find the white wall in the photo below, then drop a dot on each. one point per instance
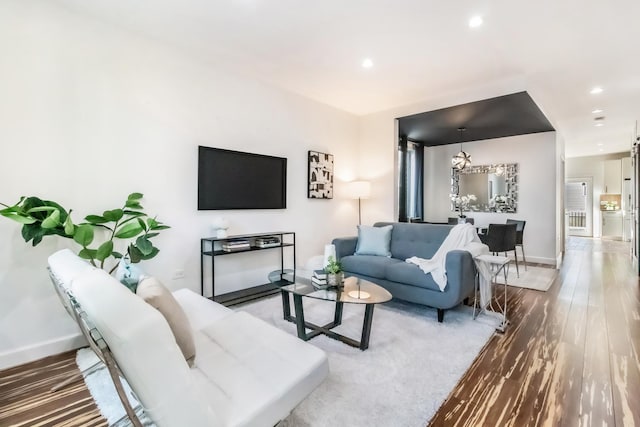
(535, 155)
(90, 113)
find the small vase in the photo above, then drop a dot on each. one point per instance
(335, 279)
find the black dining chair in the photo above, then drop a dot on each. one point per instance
(501, 238)
(519, 235)
(454, 221)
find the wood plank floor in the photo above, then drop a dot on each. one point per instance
(569, 358)
(26, 398)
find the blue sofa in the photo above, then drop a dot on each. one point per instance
(406, 281)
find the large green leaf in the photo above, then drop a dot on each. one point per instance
(133, 213)
(105, 250)
(42, 209)
(87, 253)
(83, 235)
(153, 253)
(135, 196)
(144, 245)
(17, 217)
(53, 220)
(96, 219)
(68, 226)
(160, 227)
(128, 231)
(134, 254)
(113, 215)
(133, 204)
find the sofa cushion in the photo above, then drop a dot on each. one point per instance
(154, 293)
(254, 373)
(200, 311)
(374, 240)
(421, 240)
(410, 274)
(368, 265)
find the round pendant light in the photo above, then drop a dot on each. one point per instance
(462, 159)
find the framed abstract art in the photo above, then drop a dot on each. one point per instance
(320, 176)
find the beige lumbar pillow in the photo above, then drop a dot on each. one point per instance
(154, 293)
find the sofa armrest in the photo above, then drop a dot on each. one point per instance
(345, 246)
(461, 273)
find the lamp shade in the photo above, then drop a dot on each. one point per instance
(359, 189)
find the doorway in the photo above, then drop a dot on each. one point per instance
(579, 206)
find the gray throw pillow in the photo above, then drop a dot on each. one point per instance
(374, 240)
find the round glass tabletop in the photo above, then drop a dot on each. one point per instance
(353, 291)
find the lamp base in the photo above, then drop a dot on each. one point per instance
(359, 294)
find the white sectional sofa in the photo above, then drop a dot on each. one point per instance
(246, 372)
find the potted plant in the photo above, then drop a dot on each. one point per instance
(98, 235)
(335, 275)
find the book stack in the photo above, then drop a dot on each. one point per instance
(319, 279)
(235, 245)
(267, 242)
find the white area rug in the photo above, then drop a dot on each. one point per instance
(104, 392)
(537, 278)
(412, 364)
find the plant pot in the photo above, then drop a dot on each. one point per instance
(335, 279)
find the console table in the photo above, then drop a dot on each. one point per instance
(208, 249)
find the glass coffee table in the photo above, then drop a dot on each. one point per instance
(353, 291)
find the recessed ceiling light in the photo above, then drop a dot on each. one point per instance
(597, 111)
(602, 149)
(598, 124)
(596, 90)
(600, 144)
(475, 21)
(367, 63)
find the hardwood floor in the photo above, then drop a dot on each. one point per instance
(569, 358)
(26, 398)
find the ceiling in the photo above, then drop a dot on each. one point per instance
(498, 117)
(421, 50)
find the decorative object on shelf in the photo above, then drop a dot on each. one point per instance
(359, 190)
(320, 176)
(329, 252)
(220, 226)
(462, 203)
(40, 218)
(335, 275)
(462, 159)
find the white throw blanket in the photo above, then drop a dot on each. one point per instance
(464, 237)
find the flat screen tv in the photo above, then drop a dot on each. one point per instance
(235, 180)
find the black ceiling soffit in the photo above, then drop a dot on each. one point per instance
(507, 115)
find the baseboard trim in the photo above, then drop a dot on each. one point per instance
(29, 353)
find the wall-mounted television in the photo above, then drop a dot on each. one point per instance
(235, 180)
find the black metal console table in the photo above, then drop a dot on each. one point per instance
(208, 249)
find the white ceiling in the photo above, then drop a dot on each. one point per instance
(421, 49)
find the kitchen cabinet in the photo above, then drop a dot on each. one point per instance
(612, 224)
(613, 176)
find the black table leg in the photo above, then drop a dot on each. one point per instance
(337, 317)
(297, 304)
(366, 327)
(286, 306)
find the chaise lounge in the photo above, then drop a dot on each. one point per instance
(246, 372)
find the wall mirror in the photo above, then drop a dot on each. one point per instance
(495, 187)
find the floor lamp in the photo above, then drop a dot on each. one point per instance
(359, 190)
